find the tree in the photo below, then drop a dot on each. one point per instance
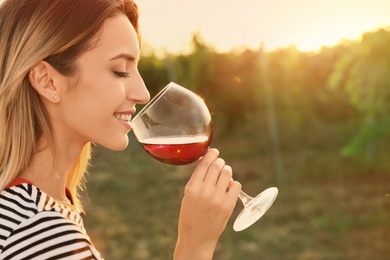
(364, 71)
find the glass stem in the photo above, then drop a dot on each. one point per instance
(245, 198)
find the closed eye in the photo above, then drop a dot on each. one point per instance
(122, 74)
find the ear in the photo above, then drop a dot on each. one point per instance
(41, 78)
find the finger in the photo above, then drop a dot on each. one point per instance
(203, 165)
(214, 172)
(234, 189)
(225, 177)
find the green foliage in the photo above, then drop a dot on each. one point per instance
(349, 82)
(363, 71)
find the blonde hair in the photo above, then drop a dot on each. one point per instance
(57, 31)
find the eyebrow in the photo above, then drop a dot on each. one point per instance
(124, 56)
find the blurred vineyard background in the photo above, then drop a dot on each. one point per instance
(314, 124)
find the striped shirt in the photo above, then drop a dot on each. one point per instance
(35, 226)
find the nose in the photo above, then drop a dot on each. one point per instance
(137, 91)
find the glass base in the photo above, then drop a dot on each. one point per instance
(255, 209)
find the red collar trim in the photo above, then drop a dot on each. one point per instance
(18, 181)
(69, 195)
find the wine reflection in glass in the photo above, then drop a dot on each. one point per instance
(175, 127)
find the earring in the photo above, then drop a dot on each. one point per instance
(55, 97)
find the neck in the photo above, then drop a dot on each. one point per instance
(49, 171)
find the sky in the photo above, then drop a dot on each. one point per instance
(168, 25)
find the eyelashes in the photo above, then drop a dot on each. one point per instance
(122, 74)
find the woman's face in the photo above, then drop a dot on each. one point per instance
(97, 104)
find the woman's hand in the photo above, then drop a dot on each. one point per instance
(209, 199)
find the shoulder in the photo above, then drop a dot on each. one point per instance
(25, 200)
(16, 205)
(33, 224)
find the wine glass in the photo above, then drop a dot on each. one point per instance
(175, 127)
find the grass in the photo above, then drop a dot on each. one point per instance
(328, 207)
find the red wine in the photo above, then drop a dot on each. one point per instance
(176, 149)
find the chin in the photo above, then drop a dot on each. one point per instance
(117, 146)
(120, 148)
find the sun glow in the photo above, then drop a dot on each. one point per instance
(226, 24)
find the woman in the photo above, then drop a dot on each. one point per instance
(69, 78)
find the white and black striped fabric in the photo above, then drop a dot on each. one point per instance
(35, 226)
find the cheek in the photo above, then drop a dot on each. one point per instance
(94, 100)
(102, 88)
(97, 91)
